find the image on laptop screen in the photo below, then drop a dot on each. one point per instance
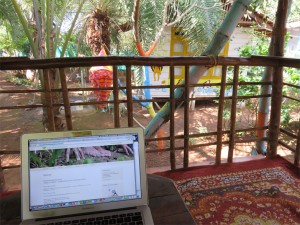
(74, 171)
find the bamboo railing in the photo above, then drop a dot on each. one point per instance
(274, 127)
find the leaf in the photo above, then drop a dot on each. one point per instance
(7, 9)
(55, 154)
(35, 159)
(87, 161)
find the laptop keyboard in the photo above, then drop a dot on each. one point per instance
(118, 219)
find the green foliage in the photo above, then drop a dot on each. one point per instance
(54, 155)
(87, 161)
(285, 117)
(201, 23)
(290, 107)
(18, 81)
(120, 159)
(10, 45)
(268, 8)
(35, 161)
(10, 21)
(259, 45)
(254, 74)
(198, 20)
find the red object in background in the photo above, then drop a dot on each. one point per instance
(101, 77)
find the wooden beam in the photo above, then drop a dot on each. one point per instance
(172, 121)
(297, 152)
(116, 97)
(220, 116)
(65, 94)
(129, 97)
(233, 114)
(186, 118)
(48, 101)
(276, 102)
(142, 61)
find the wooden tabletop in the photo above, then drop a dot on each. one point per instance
(165, 203)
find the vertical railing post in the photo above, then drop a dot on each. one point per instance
(186, 117)
(297, 152)
(48, 101)
(220, 116)
(172, 128)
(276, 102)
(129, 96)
(233, 114)
(116, 97)
(2, 180)
(65, 94)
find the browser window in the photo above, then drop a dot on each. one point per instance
(74, 171)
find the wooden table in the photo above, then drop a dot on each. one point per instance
(166, 204)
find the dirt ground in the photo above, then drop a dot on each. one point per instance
(15, 122)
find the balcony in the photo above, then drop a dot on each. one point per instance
(229, 140)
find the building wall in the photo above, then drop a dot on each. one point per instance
(239, 38)
(161, 50)
(293, 46)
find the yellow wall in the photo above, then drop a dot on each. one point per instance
(179, 47)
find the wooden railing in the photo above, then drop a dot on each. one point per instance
(273, 128)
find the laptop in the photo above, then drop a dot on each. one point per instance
(85, 177)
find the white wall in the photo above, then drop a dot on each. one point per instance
(239, 38)
(293, 46)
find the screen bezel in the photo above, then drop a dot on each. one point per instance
(27, 214)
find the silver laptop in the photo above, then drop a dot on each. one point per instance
(85, 177)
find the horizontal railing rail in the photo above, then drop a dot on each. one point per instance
(236, 62)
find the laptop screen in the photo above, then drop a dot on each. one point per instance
(83, 170)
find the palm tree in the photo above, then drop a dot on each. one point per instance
(106, 20)
(42, 28)
(150, 20)
(157, 16)
(197, 20)
(9, 20)
(219, 40)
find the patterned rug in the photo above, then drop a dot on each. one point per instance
(265, 191)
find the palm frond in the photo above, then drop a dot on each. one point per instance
(150, 21)
(198, 19)
(200, 25)
(8, 12)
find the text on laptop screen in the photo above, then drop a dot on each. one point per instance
(74, 171)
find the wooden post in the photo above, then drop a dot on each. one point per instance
(49, 101)
(276, 101)
(172, 127)
(2, 180)
(276, 48)
(65, 94)
(129, 96)
(186, 117)
(277, 84)
(233, 114)
(116, 97)
(220, 116)
(297, 152)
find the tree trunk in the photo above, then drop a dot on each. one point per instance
(276, 48)
(52, 120)
(98, 33)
